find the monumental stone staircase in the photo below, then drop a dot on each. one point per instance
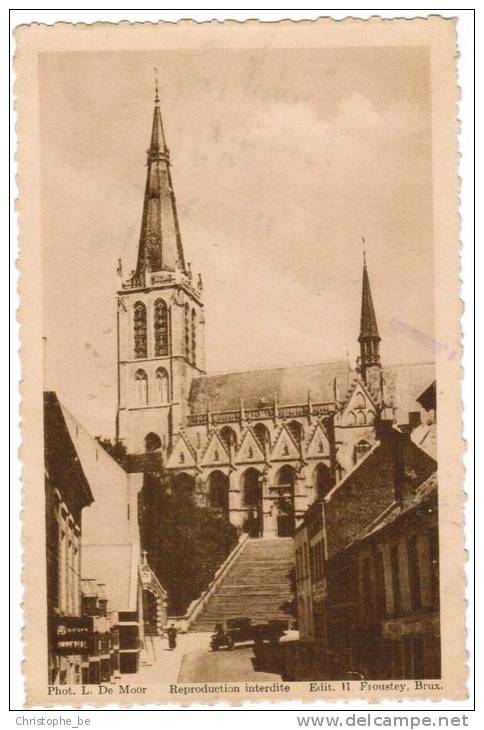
(257, 585)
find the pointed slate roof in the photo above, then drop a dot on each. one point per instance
(289, 385)
(368, 325)
(160, 246)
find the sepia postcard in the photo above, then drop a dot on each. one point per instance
(241, 379)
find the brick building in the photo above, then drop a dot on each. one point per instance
(382, 607)
(367, 565)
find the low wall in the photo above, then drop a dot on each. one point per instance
(183, 622)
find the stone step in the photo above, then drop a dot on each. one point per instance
(252, 590)
(242, 607)
(257, 585)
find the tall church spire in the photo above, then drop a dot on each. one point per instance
(369, 337)
(160, 246)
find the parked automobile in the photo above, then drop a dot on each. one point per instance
(242, 630)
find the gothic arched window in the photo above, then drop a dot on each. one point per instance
(161, 383)
(351, 419)
(194, 337)
(140, 342)
(359, 401)
(187, 332)
(263, 437)
(361, 418)
(229, 438)
(161, 328)
(141, 382)
(297, 431)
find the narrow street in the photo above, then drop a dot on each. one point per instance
(194, 661)
(222, 666)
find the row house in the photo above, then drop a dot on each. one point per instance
(381, 517)
(97, 576)
(67, 495)
(383, 602)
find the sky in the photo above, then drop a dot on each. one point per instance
(282, 160)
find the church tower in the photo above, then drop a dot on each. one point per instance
(369, 364)
(160, 320)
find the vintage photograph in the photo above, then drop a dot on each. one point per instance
(240, 370)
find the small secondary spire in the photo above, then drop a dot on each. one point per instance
(369, 337)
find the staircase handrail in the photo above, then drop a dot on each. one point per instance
(197, 605)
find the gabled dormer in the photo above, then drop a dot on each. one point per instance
(183, 455)
(318, 446)
(215, 453)
(358, 408)
(285, 447)
(249, 451)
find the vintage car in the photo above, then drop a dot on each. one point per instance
(242, 630)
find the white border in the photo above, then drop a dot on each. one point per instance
(466, 80)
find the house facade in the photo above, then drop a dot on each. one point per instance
(67, 495)
(368, 590)
(102, 594)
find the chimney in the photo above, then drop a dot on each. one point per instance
(414, 420)
(383, 427)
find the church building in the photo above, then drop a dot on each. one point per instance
(258, 445)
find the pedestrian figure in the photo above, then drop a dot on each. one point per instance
(171, 633)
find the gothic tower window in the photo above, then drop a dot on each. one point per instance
(141, 381)
(187, 332)
(161, 383)
(140, 342)
(194, 337)
(161, 328)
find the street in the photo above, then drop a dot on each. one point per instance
(222, 666)
(193, 661)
